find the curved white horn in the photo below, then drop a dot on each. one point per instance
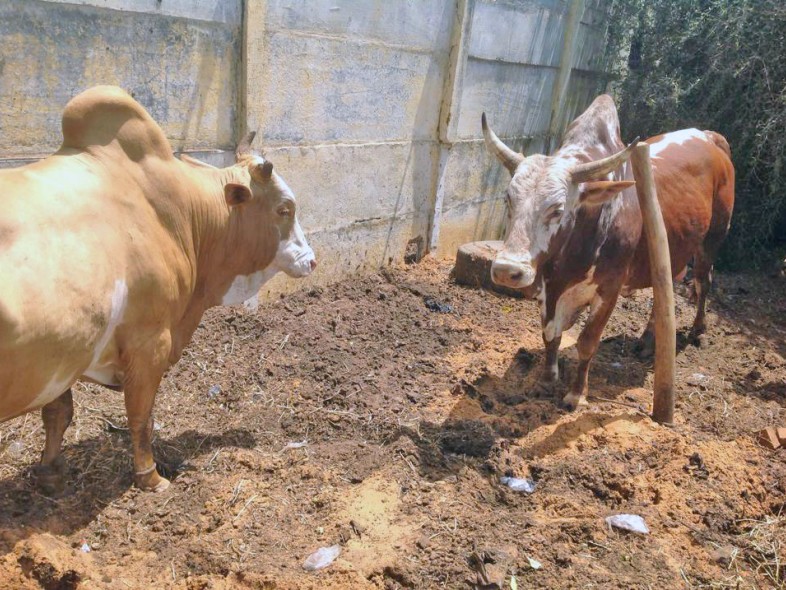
(244, 147)
(599, 168)
(509, 158)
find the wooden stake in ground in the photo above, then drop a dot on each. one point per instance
(662, 289)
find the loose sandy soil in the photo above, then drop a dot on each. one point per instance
(411, 417)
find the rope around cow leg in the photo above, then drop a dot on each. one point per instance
(147, 471)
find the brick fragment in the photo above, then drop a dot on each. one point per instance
(769, 438)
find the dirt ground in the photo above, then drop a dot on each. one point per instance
(410, 417)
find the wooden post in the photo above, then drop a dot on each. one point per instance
(662, 288)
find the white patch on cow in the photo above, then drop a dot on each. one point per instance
(246, 287)
(294, 256)
(106, 373)
(675, 138)
(51, 391)
(572, 301)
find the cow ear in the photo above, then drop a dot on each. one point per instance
(600, 191)
(236, 194)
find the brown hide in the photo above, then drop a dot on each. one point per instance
(695, 185)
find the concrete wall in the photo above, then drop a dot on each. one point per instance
(179, 58)
(370, 109)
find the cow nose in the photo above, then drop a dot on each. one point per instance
(509, 274)
(312, 263)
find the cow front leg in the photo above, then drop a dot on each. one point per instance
(549, 378)
(56, 416)
(140, 386)
(587, 346)
(139, 407)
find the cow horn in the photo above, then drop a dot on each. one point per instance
(244, 147)
(507, 156)
(599, 168)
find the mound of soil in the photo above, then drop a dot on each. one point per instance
(411, 395)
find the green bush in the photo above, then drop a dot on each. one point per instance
(720, 65)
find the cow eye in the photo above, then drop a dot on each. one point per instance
(284, 211)
(554, 214)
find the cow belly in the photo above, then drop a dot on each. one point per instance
(103, 375)
(16, 402)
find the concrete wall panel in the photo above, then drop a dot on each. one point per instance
(516, 98)
(346, 185)
(520, 33)
(423, 25)
(184, 72)
(314, 89)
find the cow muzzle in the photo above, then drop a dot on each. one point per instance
(295, 257)
(302, 266)
(514, 274)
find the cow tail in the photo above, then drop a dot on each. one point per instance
(720, 141)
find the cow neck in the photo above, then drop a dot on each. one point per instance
(217, 261)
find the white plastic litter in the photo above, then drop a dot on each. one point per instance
(321, 558)
(296, 445)
(85, 547)
(698, 379)
(629, 522)
(16, 448)
(534, 563)
(518, 485)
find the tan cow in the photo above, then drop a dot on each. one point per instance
(111, 249)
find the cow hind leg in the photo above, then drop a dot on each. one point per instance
(702, 281)
(56, 416)
(587, 346)
(645, 347)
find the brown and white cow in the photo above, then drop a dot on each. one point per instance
(111, 249)
(574, 235)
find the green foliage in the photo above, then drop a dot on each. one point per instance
(720, 65)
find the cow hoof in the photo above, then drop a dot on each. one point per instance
(698, 339)
(152, 482)
(51, 478)
(543, 389)
(49, 483)
(645, 347)
(573, 402)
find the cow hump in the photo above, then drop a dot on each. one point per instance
(108, 117)
(598, 126)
